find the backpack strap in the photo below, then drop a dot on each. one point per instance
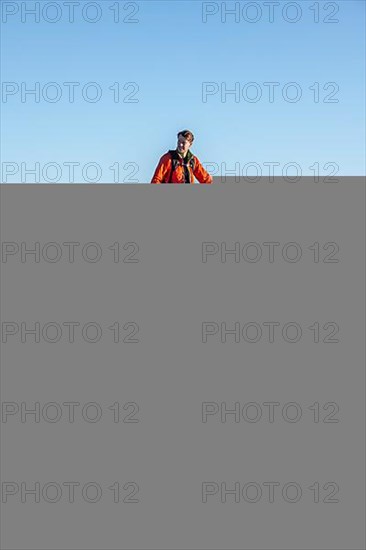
(175, 163)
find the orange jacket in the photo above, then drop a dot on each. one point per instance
(164, 168)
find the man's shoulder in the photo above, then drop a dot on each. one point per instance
(196, 159)
(165, 157)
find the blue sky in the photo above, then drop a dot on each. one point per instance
(169, 53)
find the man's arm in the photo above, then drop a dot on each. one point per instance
(201, 174)
(161, 171)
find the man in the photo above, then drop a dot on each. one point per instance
(180, 165)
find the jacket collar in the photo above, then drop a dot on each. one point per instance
(186, 159)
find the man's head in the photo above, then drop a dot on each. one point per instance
(185, 140)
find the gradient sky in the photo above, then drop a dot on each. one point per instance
(169, 53)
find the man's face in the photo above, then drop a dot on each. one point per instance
(183, 145)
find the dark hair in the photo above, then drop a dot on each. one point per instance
(187, 135)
